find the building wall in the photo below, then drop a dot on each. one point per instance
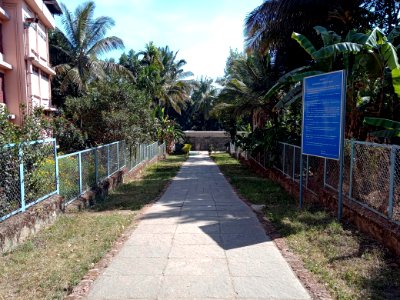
(202, 140)
(25, 48)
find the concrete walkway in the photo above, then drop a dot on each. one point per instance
(199, 241)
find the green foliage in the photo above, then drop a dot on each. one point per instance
(69, 137)
(391, 128)
(34, 127)
(78, 47)
(186, 148)
(160, 75)
(112, 110)
(168, 131)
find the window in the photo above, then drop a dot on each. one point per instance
(1, 38)
(42, 42)
(35, 82)
(2, 91)
(45, 86)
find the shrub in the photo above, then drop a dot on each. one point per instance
(186, 148)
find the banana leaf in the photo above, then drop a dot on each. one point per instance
(329, 37)
(387, 134)
(292, 96)
(396, 81)
(381, 122)
(305, 43)
(338, 48)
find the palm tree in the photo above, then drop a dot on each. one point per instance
(248, 80)
(204, 97)
(82, 42)
(163, 77)
(269, 26)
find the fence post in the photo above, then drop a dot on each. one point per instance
(21, 176)
(351, 168)
(96, 165)
(80, 172)
(56, 167)
(325, 169)
(118, 154)
(265, 155)
(284, 158)
(392, 177)
(307, 168)
(108, 160)
(125, 154)
(294, 162)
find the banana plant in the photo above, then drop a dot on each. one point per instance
(368, 59)
(391, 128)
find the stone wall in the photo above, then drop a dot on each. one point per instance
(201, 140)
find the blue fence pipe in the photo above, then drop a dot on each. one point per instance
(21, 176)
(57, 176)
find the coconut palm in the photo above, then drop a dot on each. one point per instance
(163, 77)
(81, 43)
(204, 97)
(271, 24)
(248, 80)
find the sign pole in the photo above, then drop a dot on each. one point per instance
(342, 141)
(340, 202)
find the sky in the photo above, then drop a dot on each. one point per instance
(203, 31)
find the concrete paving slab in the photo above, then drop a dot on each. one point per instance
(269, 288)
(199, 241)
(124, 266)
(145, 251)
(203, 229)
(197, 251)
(262, 251)
(191, 287)
(126, 287)
(240, 240)
(154, 228)
(198, 213)
(197, 266)
(138, 238)
(199, 208)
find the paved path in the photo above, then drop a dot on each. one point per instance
(199, 241)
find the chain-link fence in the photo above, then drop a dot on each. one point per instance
(32, 172)
(28, 175)
(371, 173)
(81, 171)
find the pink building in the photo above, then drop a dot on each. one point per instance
(25, 69)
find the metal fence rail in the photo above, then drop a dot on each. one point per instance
(28, 175)
(32, 171)
(371, 173)
(83, 170)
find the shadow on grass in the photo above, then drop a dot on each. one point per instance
(139, 192)
(351, 264)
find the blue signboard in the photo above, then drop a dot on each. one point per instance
(323, 114)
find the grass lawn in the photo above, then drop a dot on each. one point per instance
(350, 264)
(51, 263)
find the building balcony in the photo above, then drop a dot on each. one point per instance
(4, 65)
(43, 13)
(3, 15)
(41, 65)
